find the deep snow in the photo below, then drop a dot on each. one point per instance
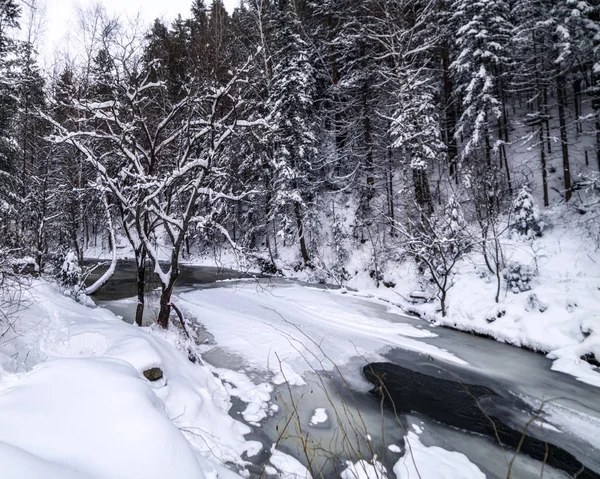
(73, 401)
(72, 392)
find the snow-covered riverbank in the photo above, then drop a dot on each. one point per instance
(549, 297)
(74, 401)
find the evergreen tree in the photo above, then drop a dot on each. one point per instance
(483, 35)
(532, 42)
(526, 220)
(291, 100)
(9, 16)
(9, 148)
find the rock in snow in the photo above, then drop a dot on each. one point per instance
(153, 374)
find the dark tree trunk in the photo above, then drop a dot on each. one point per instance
(141, 286)
(167, 289)
(165, 307)
(504, 158)
(422, 191)
(577, 104)
(488, 146)
(390, 189)
(368, 142)
(562, 95)
(267, 221)
(547, 114)
(598, 139)
(542, 107)
(596, 107)
(300, 223)
(450, 123)
(543, 165)
(443, 302)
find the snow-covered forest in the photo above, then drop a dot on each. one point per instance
(438, 157)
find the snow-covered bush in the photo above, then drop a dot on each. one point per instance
(12, 286)
(526, 217)
(331, 266)
(535, 304)
(495, 313)
(68, 273)
(437, 243)
(518, 277)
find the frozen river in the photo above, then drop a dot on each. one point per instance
(293, 355)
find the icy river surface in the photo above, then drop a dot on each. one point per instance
(292, 355)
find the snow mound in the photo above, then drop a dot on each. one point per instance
(71, 411)
(75, 403)
(288, 466)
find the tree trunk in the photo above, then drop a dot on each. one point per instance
(542, 106)
(368, 141)
(267, 221)
(113, 263)
(390, 189)
(300, 223)
(443, 302)
(165, 307)
(504, 158)
(543, 165)
(450, 123)
(141, 286)
(596, 107)
(547, 114)
(488, 146)
(561, 92)
(167, 288)
(577, 104)
(422, 192)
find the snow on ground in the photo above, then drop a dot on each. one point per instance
(74, 403)
(292, 329)
(70, 411)
(433, 462)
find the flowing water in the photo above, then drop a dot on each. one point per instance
(357, 424)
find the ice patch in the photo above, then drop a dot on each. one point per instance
(257, 396)
(364, 470)
(319, 416)
(433, 462)
(288, 466)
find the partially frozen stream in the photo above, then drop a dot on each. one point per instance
(287, 337)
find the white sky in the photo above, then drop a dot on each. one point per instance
(60, 16)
